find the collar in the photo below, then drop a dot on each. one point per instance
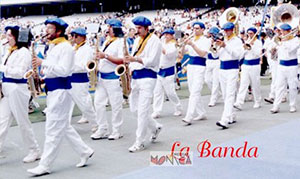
(230, 37)
(79, 45)
(58, 40)
(171, 41)
(197, 37)
(11, 49)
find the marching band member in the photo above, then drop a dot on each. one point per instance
(287, 69)
(57, 68)
(144, 64)
(212, 72)
(250, 71)
(15, 101)
(79, 78)
(198, 49)
(231, 50)
(108, 86)
(166, 76)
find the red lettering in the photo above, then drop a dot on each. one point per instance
(232, 151)
(213, 153)
(254, 153)
(205, 146)
(173, 147)
(186, 152)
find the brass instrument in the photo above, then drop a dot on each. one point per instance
(123, 71)
(182, 43)
(249, 43)
(230, 15)
(92, 65)
(214, 47)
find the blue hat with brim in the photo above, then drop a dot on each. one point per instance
(79, 31)
(57, 21)
(253, 29)
(142, 21)
(114, 23)
(201, 25)
(168, 31)
(228, 26)
(214, 30)
(285, 27)
(12, 27)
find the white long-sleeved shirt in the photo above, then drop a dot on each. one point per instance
(232, 51)
(82, 55)
(168, 59)
(202, 43)
(150, 55)
(114, 49)
(59, 61)
(288, 49)
(255, 51)
(18, 63)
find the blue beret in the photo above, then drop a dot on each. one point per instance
(57, 21)
(200, 24)
(285, 27)
(214, 30)
(168, 31)
(114, 22)
(12, 28)
(253, 29)
(141, 20)
(79, 31)
(228, 26)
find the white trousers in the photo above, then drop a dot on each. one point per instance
(14, 105)
(228, 81)
(82, 98)
(273, 67)
(286, 75)
(58, 126)
(112, 91)
(212, 79)
(140, 101)
(165, 85)
(195, 76)
(250, 74)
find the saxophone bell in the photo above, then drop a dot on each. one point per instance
(120, 70)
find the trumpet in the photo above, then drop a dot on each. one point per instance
(248, 44)
(214, 47)
(181, 44)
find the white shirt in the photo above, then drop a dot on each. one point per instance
(82, 55)
(150, 55)
(202, 43)
(255, 51)
(168, 59)
(288, 49)
(232, 51)
(59, 61)
(18, 63)
(115, 49)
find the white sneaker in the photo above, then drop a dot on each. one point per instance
(115, 136)
(155, 115)
(274, 110)
(187, 122)
(82, 121)
(283, 100)
(256, 105)
(136, 147)
(94, 128)
(237, 106)
(155, 134)
(293, 109)
(39, 170)
(99, 135)
(84, 158)
(32, 156)
(177, 113)
(211, 104)
(200, 117)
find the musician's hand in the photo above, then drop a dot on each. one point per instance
(42, 72)
(128, 59)
(189, 42)
(164, 51)
(36, 62)
(100, 55)
(220, 43)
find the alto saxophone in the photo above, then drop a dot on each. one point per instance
(92, 65)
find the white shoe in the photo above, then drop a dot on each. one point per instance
(211, 104)
(39, 170)
(187, 122)
(115, 136)
(274, 110)
(155, 115)
(84, 158)
(200, 117)
(256, 106)
(237, 106)
(177, 113)
(293, 109)
(136, 147)
(32, 156)
(284, 100)
(99, 135)
(82, 121)
(155, 134)
(94, 129)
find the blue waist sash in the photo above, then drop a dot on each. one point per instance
(197, 61)
(12, 80)
(251, 61)
(164, 72)
(292, 62)
(58, 83)
(109, 76)
(143, 73)
(210, 57)
(231, 64)
(79, 78)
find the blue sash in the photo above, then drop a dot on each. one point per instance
(143, 73)
(292, 62)
(79, 78)
(12, 80)
(164, 72)
(210, 57)
(251, 61)
(58, 83)
(109, 76)
(231, 64)
(197, 61)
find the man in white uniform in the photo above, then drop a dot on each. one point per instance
(166, 76)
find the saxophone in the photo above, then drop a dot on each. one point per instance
(92, 65)
(124, 73)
